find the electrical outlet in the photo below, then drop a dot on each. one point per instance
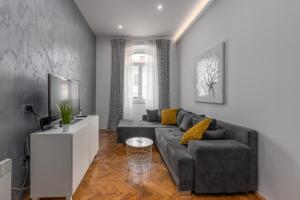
(27, 108)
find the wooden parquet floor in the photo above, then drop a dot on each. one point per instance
(109, 179)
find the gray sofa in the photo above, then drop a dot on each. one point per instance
(228, 165)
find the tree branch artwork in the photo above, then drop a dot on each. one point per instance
(207, 74)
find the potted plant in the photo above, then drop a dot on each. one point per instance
(66, 111)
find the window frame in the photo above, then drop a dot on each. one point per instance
(139, 99)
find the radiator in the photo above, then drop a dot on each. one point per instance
(5, 179)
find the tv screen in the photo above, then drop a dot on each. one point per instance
(62, 90)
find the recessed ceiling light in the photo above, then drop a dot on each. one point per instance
(120, 26)
(159, 7)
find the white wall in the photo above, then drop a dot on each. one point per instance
(103, 78)
(262, 81)
(174, 76)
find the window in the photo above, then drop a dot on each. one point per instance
(140, 79)
(138, 69)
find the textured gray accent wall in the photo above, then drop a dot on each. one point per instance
(39, 37)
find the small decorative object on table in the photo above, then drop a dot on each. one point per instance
(66, 111)
(139, 153)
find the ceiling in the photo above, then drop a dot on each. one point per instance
(139, 18)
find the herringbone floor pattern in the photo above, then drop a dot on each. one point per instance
(109, 179)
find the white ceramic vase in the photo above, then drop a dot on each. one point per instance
(66, 127)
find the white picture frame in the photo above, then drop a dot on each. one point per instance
(209, 75)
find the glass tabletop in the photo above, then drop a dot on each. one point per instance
(139, 142)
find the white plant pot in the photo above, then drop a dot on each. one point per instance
(66, 127)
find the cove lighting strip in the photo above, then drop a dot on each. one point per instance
(194, 15)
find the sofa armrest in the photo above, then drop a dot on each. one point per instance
(221, 166)
(144, 118)
(218, 152)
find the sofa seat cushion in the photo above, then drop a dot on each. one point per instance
(180, 160)
(176, 156)
(166, 135)
(128, 129)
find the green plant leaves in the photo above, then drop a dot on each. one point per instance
(66, 112)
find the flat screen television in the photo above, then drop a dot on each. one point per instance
(62, 90)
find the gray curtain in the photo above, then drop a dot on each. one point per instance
(163, 54)
(117, 83)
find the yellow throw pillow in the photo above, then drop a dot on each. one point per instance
(168, 116)
(196, 132)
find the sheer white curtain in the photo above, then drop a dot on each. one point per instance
(150, 84)
(149, 79)
(128, 81)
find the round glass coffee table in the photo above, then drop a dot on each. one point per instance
(139, 153)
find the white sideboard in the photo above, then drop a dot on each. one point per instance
(60, 160)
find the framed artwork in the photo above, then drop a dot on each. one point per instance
(209, 76)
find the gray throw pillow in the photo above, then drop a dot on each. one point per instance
(180, 115)
(215, 134)
(152, 115)
(186, 122)
(212, 126)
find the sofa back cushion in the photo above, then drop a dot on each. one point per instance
(196, 132)
(180, 115)
(186, 122)
(212, 126)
